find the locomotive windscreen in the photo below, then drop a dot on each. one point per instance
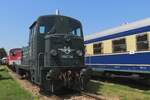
(61, 25)
(13, 51)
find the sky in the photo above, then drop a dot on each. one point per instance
(95, 15)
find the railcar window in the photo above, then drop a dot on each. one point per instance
(42, 29)
(142, 42)
(97, 48)
(119, 46)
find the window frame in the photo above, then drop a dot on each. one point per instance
(116, 45)
(78, 30)
(99, 49)
(43, 29)
(138, 42)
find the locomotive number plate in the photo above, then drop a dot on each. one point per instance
(67, 56)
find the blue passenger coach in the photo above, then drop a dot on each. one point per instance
(122, 49)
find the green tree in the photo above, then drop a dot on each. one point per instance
(2, 53)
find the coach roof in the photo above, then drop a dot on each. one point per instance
(119, 29)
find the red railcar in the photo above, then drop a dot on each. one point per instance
(14, 56)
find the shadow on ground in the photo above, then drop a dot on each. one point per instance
(93, 87)
(62, 94)
(140, 84)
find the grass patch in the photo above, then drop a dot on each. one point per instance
(123, 92)
(10, 89)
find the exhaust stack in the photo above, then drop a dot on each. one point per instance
(57, 12)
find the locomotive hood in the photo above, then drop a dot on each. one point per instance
(64, 50)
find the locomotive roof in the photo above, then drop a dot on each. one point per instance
(119, 29)
(52, 16)
(14, 49)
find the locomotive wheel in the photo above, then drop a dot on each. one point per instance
(81, 80)
(51, 87)
(32, 76)
(28, 76)
(17, 70)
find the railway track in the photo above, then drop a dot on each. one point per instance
(94, 96)
(78, 96)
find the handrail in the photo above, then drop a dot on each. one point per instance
(41, 53)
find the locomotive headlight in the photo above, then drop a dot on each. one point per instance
(84, 72)
(53, 52)
(79, 52)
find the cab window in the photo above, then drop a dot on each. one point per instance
(76, 32)
(13, 53)
(34, 30)
(42, 29)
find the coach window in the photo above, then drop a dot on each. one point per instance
(119, 45)
(142, 42)
(42, 29)
(97, 48)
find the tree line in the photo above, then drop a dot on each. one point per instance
(2, 53)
